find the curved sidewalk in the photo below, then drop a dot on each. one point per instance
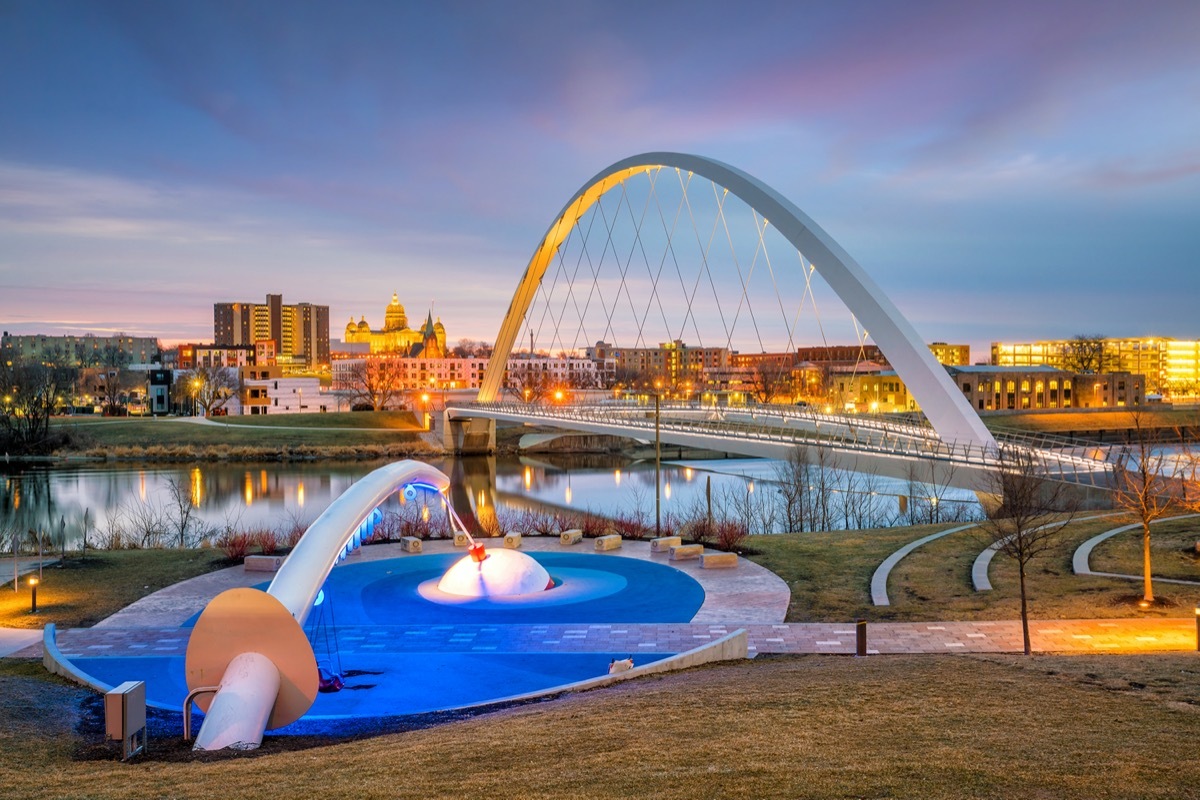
(879, 595)
(1081, 561)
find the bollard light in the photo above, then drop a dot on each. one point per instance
(33, 584)
(860, 638)
(1198, 629)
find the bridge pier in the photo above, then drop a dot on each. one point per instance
(468, 435)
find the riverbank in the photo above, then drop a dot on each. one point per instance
(357, 436)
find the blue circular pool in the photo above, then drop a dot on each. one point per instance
(407, 649)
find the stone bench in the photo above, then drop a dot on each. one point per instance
(512, 540)
(609, 542)
(684, 552)
(263, 563)
(718, 560)
(663, 544)
(410, 544)
(567, 538)
(461, 540)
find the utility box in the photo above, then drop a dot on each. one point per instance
(125, 717)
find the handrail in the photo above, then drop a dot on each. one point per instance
(1066, 458)
(187, 708)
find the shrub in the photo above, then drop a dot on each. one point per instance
(730, 534)
(267, 541)
(235, 544)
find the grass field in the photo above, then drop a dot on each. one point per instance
(830, 574)
(315, 435)
(789, 727)
(79, 592)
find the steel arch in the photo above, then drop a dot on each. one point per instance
(945, 407)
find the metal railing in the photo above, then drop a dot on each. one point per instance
(1062, 458)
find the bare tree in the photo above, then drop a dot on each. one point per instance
(530, 383)
(114, 379)
(1028, 513)
(1084, 353)
(180, 511)
(210, 386)
(377, 382)
(29, 395)
(770, 379)
(1149, 486)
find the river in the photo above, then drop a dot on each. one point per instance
(280, 495)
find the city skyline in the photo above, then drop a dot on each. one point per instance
(1019, 172)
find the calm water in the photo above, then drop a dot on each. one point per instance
(276, 495)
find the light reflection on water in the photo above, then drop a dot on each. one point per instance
(275, 495)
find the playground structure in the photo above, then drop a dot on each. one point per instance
(252, 643)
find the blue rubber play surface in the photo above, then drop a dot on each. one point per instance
(371, 619)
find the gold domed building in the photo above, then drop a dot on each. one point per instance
(396, 337)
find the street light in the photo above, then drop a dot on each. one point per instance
(33, 584)
(657, 464)
(424, 412)
(195, 392)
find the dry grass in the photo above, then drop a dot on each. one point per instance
(814, 727)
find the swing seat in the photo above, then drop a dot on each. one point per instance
(329, 681)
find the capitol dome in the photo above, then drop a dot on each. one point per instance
(394, 318)
(363, 327)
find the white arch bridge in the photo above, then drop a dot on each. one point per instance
(572, 294)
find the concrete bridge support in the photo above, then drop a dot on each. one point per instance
(468, 435)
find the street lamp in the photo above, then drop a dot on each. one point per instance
(33, 584)
(195, 393)
(424, 412)
(657, 464)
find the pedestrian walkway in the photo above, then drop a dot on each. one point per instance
(1000, 636)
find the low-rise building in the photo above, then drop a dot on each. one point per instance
(265, 390)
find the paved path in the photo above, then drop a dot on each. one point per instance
(1004, 636)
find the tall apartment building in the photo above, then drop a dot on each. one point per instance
(300, 332)
(1171, 367)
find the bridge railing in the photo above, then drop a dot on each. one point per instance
(1058, 457)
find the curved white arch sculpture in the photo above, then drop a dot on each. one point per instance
(254, 641)
(945, 407)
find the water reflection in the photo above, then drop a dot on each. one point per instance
(485, 491)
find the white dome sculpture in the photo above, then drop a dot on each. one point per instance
(504, 573)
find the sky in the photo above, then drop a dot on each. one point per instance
(1004, 171)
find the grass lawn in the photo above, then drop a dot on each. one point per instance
(84, 591)
(810, 726)
(830, 573)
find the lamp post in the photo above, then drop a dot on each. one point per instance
(195, 394)
(1198, 629)
(424, 412)
(657, 466)
(33, 584)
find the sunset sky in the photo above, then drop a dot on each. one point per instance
(1003, 170)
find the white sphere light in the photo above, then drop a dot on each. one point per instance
(504, 573)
